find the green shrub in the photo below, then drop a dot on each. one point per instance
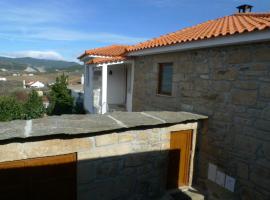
(10, 109)
(61, 101)
(33, 108)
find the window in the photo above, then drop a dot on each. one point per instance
(165, 78)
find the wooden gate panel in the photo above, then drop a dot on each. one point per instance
(39, 178)
(179, 158)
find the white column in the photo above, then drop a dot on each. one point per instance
(91, 98)
(130, 92)
(104, 89)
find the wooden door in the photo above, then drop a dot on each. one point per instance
(40, 178)
(179, 158)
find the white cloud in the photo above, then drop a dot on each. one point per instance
(58, 34)
(70, 35)
(51, 55)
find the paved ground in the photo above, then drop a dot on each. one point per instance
(187, 195)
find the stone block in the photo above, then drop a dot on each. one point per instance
(262, 124)
(165, 146)
(246, 145)
(201, 85)
(265, 90)
(239, 55)
(142, 136)
(106, 139)
(135, 160)
(190, 93)
(126, 137)
(205, 76)
(242, 170)
(186, 107)
(266, 113)
(225, 74)
(56, 147)
(86, 171)
(11, 152)
(262, 54)
(221, 86)
(165, 136)
(187, 85)
(246, 85)
(243, 121)
(244, 97)
(260, 176)
(202, 68)
(108, 169)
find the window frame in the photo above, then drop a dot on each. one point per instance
(160, 79)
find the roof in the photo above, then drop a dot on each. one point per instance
(225, 26)
(107, 60)
(108, 51)
(87, 125)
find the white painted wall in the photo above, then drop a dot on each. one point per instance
(88, 91)
(117, 84)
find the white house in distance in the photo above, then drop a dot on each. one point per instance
(3, 79)
(35, 84)
(108, 81)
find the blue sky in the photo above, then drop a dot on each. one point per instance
(63, 29)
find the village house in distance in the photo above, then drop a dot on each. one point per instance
(219, 68)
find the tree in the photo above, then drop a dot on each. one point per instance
(61, 101)
(10, 109)
(33, 108)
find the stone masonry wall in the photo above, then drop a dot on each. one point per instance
(232, 86)
(122, 165)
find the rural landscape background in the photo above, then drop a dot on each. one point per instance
(15, 70)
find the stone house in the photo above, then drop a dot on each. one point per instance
(220, 68)
(120, 155)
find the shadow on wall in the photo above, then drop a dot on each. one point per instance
(144, 175)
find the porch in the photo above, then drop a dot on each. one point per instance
(108, 87)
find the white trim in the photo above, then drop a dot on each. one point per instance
(252, 37)
(153, 117)
(104, 103)
(111, 63)
(121, 124)
(97, 56)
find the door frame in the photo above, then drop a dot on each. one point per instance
(193, 127)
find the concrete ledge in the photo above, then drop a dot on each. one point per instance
(89, 124)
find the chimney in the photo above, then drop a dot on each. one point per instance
(245, 8)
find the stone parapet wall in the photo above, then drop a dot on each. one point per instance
(231, 85)
(128, 164)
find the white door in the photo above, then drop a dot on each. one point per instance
(116, 85)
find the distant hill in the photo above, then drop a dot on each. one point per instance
(39, 65)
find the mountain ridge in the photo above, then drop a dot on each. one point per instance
(20, 64)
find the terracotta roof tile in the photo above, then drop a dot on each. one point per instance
(228, 25)
(113, 50)
(107, 60)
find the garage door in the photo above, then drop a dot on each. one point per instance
(39, 179)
